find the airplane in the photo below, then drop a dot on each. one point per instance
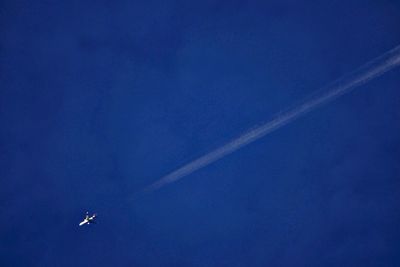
(88, 219)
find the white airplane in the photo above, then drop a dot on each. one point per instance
(88, 219)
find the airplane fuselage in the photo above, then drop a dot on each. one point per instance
(88, 220)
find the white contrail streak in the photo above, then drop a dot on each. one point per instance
(372, 69)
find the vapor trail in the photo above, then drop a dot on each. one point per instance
(372, 69)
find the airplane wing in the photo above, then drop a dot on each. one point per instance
(88, 219)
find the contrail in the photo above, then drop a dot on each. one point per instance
(372, 69)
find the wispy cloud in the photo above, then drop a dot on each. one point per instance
(372, 69)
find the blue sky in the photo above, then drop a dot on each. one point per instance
(100, 99)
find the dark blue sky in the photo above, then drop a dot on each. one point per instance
(100, 99)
